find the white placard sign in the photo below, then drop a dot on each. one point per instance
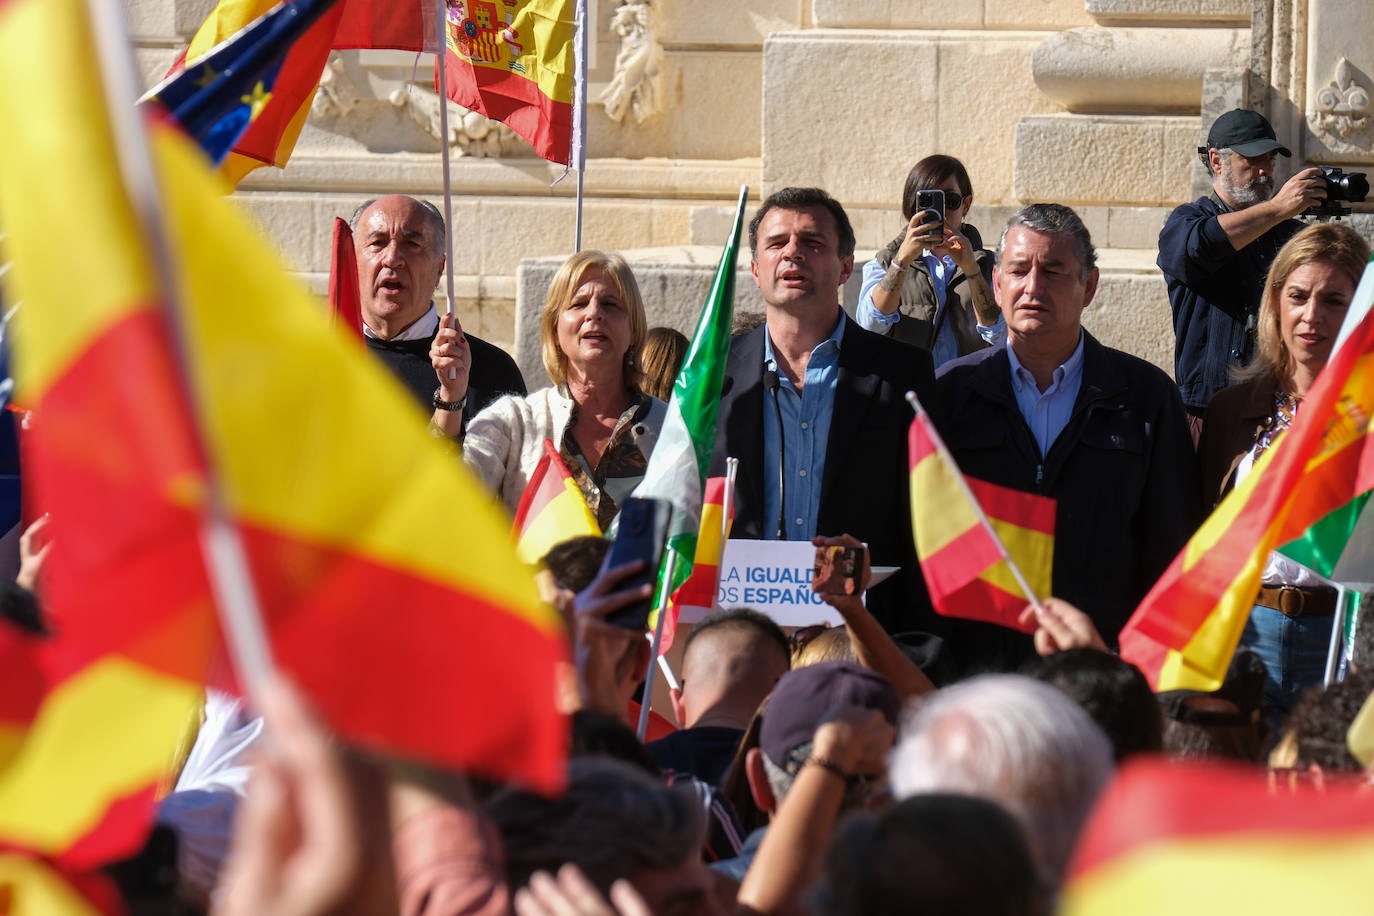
(769, 576)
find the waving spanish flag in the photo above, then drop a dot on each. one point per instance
(552, 509)
(513, 62)
(279, 114)
(1185, 631)
(962, 561)
(1201, 839)
(152, 396)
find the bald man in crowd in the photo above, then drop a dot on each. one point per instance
(730, 662)
(400, 243)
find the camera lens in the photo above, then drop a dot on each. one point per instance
(1354, 187)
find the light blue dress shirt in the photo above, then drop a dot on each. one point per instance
(806, 422)
(1047, 412)
(946, 345)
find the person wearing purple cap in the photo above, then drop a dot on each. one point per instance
(819, 718)
(1216, 251)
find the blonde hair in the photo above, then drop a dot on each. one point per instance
(1335, 243)
(830, 645)
(565, 283)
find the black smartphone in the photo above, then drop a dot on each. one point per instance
(934, 202)
(838, 570)
(642, 534)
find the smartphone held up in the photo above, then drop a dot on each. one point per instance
(642, 535)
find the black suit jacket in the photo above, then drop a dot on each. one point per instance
(864, 491)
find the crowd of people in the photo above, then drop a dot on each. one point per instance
(902, 762)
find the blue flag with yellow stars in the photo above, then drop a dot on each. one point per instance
(218, 95)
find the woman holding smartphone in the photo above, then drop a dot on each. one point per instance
(932, 285)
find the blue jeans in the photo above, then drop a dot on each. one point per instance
(1293, 650)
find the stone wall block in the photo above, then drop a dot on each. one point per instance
(821, 92)
(1034, 14)
(189, 14)
(1134, 227)
(153, 64)
(1131, 313)
(726, 24)
(711, 110)
(873, 14)
(985, 89)
(1134, 69)
(150, 19)
(1080, 159)
(293, 225)
(1231, 12)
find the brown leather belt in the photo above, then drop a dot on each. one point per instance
(1298, 601)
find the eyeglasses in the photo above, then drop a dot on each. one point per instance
(953, 200)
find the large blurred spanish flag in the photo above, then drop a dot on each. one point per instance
(86, 747)
(379, 602)
(1198, 840)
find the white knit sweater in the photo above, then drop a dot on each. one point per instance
(505, 442)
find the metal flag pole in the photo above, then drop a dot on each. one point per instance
(946, 457)
(1333, 650)
(226, 558)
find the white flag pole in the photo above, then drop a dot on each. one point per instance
(441, 49)
(578, 153)
(226, 558)
(953, 465)
(731, 472)
(663, 594)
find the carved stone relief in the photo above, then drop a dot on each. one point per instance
(1311, 63)
(1342, 106)
(469, 134)
(636, 86)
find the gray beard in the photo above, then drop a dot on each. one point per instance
(1243, 196)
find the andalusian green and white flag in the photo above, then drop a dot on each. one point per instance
(677, 467)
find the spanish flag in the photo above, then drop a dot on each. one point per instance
(960, 557)
(403, 25)
(1183, 634)
(1197, 840)
(376, 560)
(278, 114)
(29, 886)
(552, 509)
(219, 96)
(513, 62)
(700, 588)
(86, 747)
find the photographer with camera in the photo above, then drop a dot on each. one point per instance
(1216, 251)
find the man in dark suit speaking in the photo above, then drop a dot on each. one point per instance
(813, 405)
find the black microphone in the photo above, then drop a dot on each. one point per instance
(770, 381)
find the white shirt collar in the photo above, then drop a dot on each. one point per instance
(421, 328)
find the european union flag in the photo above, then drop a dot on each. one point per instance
(218, 95)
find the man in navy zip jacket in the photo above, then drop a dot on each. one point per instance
(1216, 251)
(1054, 412)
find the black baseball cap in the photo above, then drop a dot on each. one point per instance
(1247, 132)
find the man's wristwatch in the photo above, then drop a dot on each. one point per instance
(455, 406)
